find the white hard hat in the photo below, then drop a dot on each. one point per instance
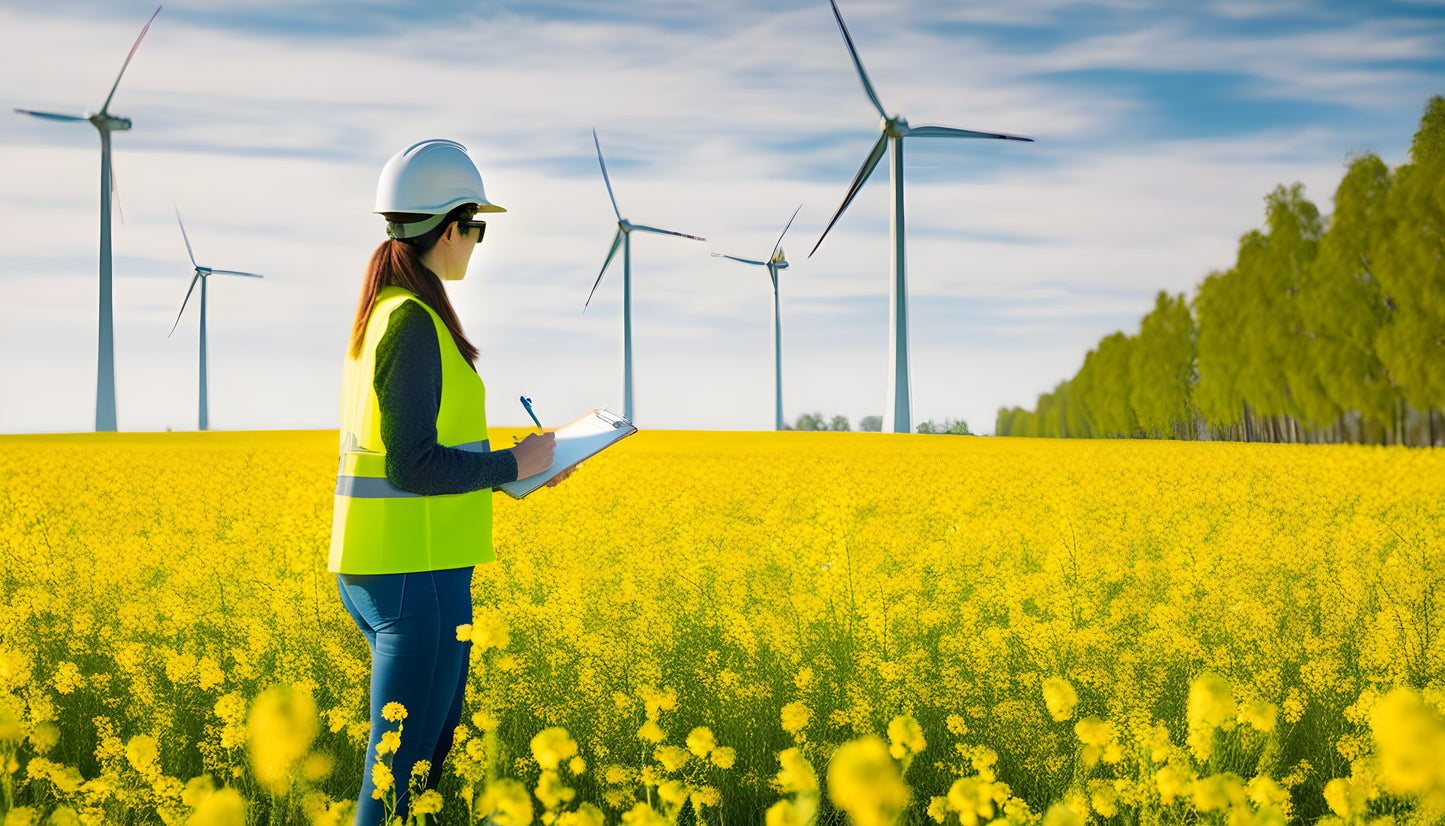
(431, 178)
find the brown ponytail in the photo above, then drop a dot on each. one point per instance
(398, 263)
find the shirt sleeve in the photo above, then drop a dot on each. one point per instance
(408, 383)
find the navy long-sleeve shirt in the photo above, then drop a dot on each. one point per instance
(408, 383)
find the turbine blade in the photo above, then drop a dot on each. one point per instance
(183, 303)
(605, 179)
(236, 272)
(853, 52)
(863, 172)
(950, 132)
(667, 232)
(186, 239)
(51, 115)
(743, 260)
(135, 46)
(616, 242)
(774, 253)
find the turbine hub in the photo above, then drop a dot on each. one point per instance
(896, 126)
(625, 225)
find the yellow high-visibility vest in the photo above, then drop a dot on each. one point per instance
(377, 528)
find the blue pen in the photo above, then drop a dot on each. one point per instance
(527, 403)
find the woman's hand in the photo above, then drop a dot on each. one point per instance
(534, 454)
(557, 480)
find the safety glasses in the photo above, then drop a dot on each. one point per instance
(481, 227)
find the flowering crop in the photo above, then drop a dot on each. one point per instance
(1007, 630)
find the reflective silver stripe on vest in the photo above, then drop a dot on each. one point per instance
(369, 487)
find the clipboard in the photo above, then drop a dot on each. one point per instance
(580, 439)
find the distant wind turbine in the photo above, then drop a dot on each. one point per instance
(105, 123)
(776, 261)
(623, 238)
(201, 274)
(898, 411)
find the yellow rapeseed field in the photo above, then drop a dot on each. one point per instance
(736, 628)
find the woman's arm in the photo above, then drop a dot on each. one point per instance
(408, 384)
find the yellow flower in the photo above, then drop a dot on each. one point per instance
(1211, 706)
(428, 803)
(1173, 781)
(797, 773)
(1060, 698)
(905, 736)
(863, 781)
(642, 814)
(551, 746)
(394, 712)
(785, 813)
(672, 758)
(389, 743)
(507, 803)
(673, 792)
(44, 737)
(66, 678)
(1410, 739)
(224, 808)
(1061, 815)
(464, 632)
(485, 721)
(1345, 798)
(652, 731)
(281, 725)
(938, 809)
(1218, 791)
(706, 796)
(22, 816)
(803, 679)
(141, 753)
(795, 717)
(1258, 714)
(585, 815)
(577, 765)
(551, 791)
(381, 778)
(700, 741)
(1104, 798)
(723, 757)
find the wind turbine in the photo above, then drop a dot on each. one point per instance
(776, 261)
(201, 274)
(625, 228)
(897, 412)
(105, 123)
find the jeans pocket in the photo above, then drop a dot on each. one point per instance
(377, 597)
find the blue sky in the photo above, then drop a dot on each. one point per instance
(1160, 127)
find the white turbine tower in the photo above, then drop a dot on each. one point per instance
(625, 228)
(201, 275)
(776, 261)
(898, 410)
(105, 123)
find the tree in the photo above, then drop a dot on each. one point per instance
(1161, 368)
(871, 424)
(1002, 420)
(1342, 305)
(1115, 416)
(811, 421)
(1411, 268)
(840, 423)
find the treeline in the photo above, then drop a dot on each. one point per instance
(1323, 331)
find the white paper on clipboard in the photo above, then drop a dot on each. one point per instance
(579, 439)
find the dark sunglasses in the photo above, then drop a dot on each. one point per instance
(481, 227)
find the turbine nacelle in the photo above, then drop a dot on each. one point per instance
(895, 127)
(108, 122)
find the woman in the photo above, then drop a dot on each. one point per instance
(413, 510)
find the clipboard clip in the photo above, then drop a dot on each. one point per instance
(611, 418)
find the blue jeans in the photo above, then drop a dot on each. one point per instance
(410, 622)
